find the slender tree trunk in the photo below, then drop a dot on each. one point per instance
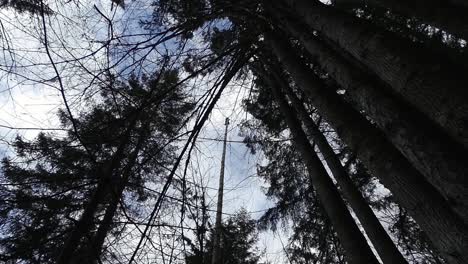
(115, 196)
(354, 243)
(440, 159)
(443, 226)
(85, 223)
(434, 86)
(438, 13)
(384, 245)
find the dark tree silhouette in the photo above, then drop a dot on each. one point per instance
(56, 195)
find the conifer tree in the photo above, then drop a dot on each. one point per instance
(397, 62)
(439, 14)
(55, 182)
(238, 239)
(388, 77)
(403, 125)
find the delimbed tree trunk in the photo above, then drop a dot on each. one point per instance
(438, 13)
(382, 242)
(434, 86)
(443, 226)
(440, 159)
(353, 241)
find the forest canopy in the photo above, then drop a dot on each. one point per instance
(221, 131)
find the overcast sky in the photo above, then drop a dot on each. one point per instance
(30, 97)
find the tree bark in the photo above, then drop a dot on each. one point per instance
(432, 85)
(354, 243)
(437, 13)
(443, 226)
(440, 159)
(382, 242)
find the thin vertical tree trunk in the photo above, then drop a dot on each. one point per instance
(434, 86)
(443, 226)
(438, 13)
(440, 159)
(217, 249)
(384, 245)
(354, 243)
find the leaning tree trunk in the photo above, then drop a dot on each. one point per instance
(440, 159)
(85, 223)
(382, 242)
(434, 86)
(116, 192)
(436, 13)
(443, 226)
(353, 241)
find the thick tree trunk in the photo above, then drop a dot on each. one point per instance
(437, 13)
(435, 87)
(443, 226)
(440, 159)
(354, 243)
(382, 242)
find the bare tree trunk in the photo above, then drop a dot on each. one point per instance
(443, 226)
(384, 245)
(354, 243)
(217, 249)
(434, 86)
(441, 160)
(438, 13)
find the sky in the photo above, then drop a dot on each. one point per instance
(30, 95)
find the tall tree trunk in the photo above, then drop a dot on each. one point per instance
(434, 86)
(438, 13)
(85, 223)
(440, 159)
(115, 196)
(354, 243)
(443, 226)
(384, 245)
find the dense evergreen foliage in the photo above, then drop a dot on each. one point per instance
(358, 107)
(238, 240)
(127, 143)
